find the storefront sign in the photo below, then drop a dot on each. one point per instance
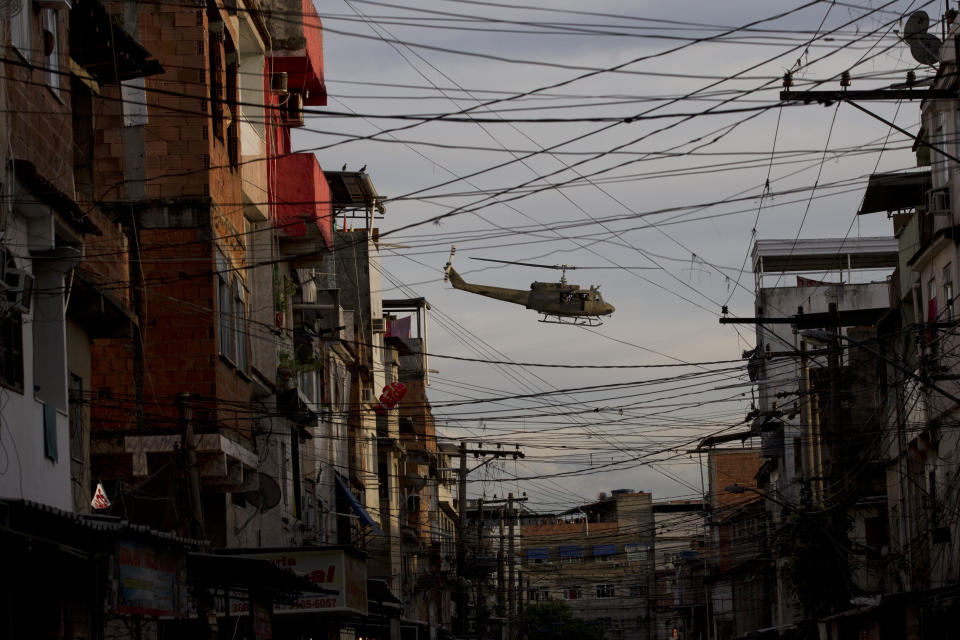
(332, 569)
(150, 581)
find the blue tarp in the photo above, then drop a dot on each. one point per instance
(571, 551)
(604, 550)
(538, 553)
(358, 509)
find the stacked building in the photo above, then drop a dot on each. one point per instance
(195, 349)
(842, 522)
(598, 559)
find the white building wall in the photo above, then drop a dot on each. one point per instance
(25, 471)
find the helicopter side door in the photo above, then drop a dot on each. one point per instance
(557, 300)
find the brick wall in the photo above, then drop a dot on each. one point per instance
(40, 123)
(185, 163)
(733, 466)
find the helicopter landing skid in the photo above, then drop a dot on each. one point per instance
(582, 321)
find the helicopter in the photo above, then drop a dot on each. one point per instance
(559, 302)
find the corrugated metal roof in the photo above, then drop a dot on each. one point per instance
(101, 523)
(824, 254)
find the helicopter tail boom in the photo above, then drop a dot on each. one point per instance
(516, 296)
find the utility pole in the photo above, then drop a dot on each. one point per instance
(511, 571)
(481, 614)
(835, 363)
(189, 447)
(205, 604)
(460, 626)
(501, 570)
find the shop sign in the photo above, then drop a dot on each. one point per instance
(332, 569)
(150, 581)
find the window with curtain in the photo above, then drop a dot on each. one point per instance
(572, 592)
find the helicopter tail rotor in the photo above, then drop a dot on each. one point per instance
(449, 265)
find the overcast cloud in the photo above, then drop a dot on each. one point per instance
(692, 253)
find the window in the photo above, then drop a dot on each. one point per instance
(605, 590)
(932, 300)
(413, 503)
(941, 170)
(215, 58)
(571, 554)
(11, 351)
(956, 133)
(538, 555)
(77, 421)
(307, 386)
(233, 128)
(11, 332)
(283, 472)
(538, 594)
(225, 301)
(948, 291)
(638, 590)
(240, 323)
(231, 314)
(20, 28)
(636, 552)
(572, 592)
(51, 50)
(604, 552)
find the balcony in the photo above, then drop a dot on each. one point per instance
(302, 210)
(225, 465)
(298, 49)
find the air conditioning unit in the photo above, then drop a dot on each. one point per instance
(293, 110)
(938, 201)
(17, 290)
(378, 325)
(278, 82)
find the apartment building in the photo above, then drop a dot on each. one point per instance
(598, 558)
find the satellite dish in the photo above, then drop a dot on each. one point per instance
(11, 8)
(924, 47)
(267, 496)
(917, 24)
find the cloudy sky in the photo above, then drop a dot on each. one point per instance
(645, 137)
